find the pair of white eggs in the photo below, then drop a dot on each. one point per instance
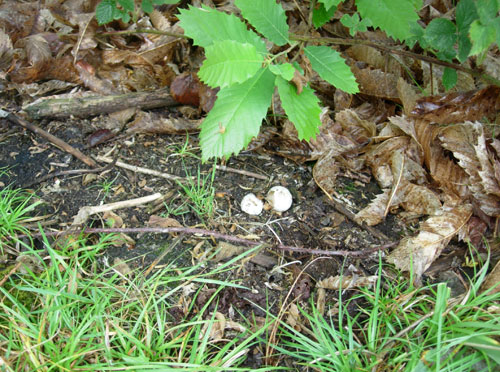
(278, 197)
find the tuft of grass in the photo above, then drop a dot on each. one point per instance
(105, 187)
(86, 318)
(200, 192)
(401, 328)
(15, 206)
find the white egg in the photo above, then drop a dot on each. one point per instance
(251, 204)
(279, 198)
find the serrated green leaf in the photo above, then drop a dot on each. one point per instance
(441, 34)
(284, 70)
(206, 26)
(303, 110)
(127, 5)
(267, 17)
(331, 67)
(236, 116)
(392, 16)
(321, 15)
(228, 62)
(330, 3)
(104, 11)
(449, 78)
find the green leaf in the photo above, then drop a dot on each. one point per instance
(330, 3)
(284, 70)
(127, 5)
(449, 78)
(104, 11)
(321, 15)
(303, 110)
(465, 14)
(487, 345)
(206, 26)
(354, 24)
(267, 17)
(482, 37)
(441, 34)
(229, 62)
(392, 16)
(331, 67)
(147, 6)
(236, 116)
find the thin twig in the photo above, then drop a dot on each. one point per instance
(215, 234)
(49, 137)
(137, 169)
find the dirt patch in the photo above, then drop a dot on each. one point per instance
(312, 222)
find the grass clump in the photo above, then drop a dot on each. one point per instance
(401, 328)
(15, 206)
(89, 318)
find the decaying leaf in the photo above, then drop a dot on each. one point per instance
(6, 51)
(468, 144)
(152, 122)
(325, 172)
(158, 221)
(416, 254)
(377, 83)
(459, 107)
(347, 282)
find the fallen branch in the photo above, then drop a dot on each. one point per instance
(84, 107)
(49, 137)
(215, 234)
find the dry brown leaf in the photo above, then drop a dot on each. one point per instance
(374, 58)
(325, 172)
(216, 328)
(361, 130)
(374, 213)
(419, 252)
(163, 222)
(331, 139)
(447, 174)
(347, 282)
(407, 95)
(293, 318)
(378, 158)
(377, 83)
(467, 142)
(459, 107)
(6, 51)
(151, 122)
